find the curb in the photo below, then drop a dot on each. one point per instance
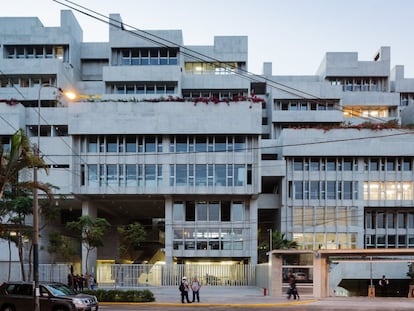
(252, 305)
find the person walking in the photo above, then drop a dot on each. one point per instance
(195, 287)
(292, 287)
(184, 288)
(383, 284)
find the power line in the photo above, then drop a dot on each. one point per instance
(195, 54)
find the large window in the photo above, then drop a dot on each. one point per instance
(391, 190)
(211, 210)
(142, 88)
(146, 56)
(305, 104)
(321, 190)
(325, 164)
(60, 52)
(212, 68)
(202, 175)
(379, 220)
(123, 144)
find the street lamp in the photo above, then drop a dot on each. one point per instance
(71, 96)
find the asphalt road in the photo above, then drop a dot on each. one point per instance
(252, 298)
(331, 304)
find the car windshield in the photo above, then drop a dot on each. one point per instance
(60, 289)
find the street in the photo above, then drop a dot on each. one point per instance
(332, 304)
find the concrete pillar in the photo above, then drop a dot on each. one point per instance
(251, 239)
(320, 276)
(275, 273)
(169, 234)
(88, 209)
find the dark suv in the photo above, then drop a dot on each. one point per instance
(18, 296)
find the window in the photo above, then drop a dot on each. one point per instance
(347, 190)
(374, 165)
(407, 165)
(201, 175)
(314, 165)
(298, 165)
(111, 144)
(93, 144)
(331, 190)
(178, 211)
(331, 165)
(201, 211)
(131, 174)
(314, 192)
(181, 175)
(298, 190)
(347, 166)
(92, 174)
(214, 211)
(237, 211)
(220, 174)
(131, 144)
(150, 174)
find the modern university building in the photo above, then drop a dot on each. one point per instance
(208, 157)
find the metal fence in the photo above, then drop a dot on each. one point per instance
(47, 272)
(135, 275)
(142, 275)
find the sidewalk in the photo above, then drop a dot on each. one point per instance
(242, 296)
(222, 295)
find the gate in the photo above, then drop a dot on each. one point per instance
(141, 275)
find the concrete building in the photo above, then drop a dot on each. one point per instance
(208, 157)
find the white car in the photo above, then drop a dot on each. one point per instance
(300, 276)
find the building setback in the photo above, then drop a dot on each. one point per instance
(207, 156)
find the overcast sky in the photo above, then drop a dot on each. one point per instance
(292, 34)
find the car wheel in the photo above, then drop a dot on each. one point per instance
(8, 308)
(60, 308)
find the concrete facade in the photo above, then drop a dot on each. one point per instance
(206, 156)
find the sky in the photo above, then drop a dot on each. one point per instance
(293, 35)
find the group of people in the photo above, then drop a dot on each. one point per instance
(185, 288)
(80, 282)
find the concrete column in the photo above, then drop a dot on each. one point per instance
(169, 234)
(252, 237)
(88, 209)
(320, 276)
(275, 273)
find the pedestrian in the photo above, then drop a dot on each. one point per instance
(92, 282)
(383, 284)
(195, 287)
(292, 290)
(76, 282)
(184, 288)
(81, 283)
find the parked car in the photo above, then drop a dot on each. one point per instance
(18, 296)
(300, 276)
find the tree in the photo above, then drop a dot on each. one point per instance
(58, 245)
(17, 207)
(279, 241)
(20, 156)
(90, 233)
(131, 237)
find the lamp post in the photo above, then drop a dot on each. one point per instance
(36, 291)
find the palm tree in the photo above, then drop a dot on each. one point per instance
(20, 156)
(13, 161)
(279, 241)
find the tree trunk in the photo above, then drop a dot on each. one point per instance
(8, 277)
(20, 250)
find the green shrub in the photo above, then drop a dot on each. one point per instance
(116, 295)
